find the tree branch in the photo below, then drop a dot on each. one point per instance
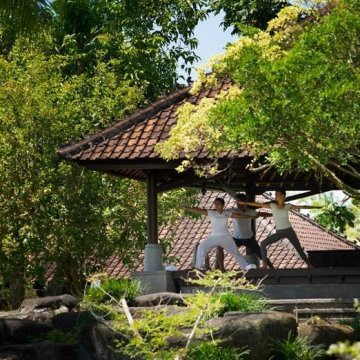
(352, 173)
(338, 182)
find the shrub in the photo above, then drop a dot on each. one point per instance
(57, 335)
(108, 290)
(212, 351)
(345, 350)
(246, 302)
(296, 348)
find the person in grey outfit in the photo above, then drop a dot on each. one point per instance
(280, 211)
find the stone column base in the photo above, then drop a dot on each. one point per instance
(155, 281)
(153, 257)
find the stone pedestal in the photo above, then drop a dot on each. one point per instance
(153, 257)
(155, 281)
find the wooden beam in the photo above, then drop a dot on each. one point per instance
(302, 195)
(188, 180)
(152, 208)
(113, 166)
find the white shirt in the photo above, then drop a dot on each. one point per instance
(242, 227)
(281, 216)
(219, 222)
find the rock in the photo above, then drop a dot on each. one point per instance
(48, 350)
(325, 334)
(48, 302)
(97, 342)
(16, 331)
(72, 320)
(137, 312)
(163, 298)
(255, 331)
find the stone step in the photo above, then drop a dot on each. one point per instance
(291, 304)
(331, 315)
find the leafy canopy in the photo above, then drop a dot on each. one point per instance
(295, 96)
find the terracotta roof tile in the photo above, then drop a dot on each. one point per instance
(135, 137)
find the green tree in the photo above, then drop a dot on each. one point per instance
(335, 215)
(24, 15)
(295, 97)
(254, 13)
(353, 232)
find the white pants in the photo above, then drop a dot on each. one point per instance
(225, 242)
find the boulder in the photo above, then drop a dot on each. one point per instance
(48, 350)
(72, 320)
(254, 331)
(162, 298)
(325, 334)
(16, 331)
(137, 312)
(48, 302)
(98, 342)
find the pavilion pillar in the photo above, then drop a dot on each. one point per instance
(251, 196)
(250, 191)
(153, 250)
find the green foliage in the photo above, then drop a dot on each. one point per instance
(296, 348)
(212, 351)
(59, 336)
(24, 16)
(295, 98)
(160, 332)
(246, 302)
(353, 233)
(107, 290)
(345, 350)
(93, 63)
(336, 218)
(255, 13)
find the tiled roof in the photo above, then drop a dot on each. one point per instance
(126, 149)
(134, 137)
(188, 232)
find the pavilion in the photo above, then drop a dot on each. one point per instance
(126, 149)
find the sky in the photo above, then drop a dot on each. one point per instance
(212, 40)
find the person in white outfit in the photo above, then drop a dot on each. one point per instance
(243, 233)
(220, 235)
(280, 211)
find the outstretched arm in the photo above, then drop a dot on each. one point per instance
(298, 207)
(253, 203)
(196, 210)
(241, 216)
(263, 214)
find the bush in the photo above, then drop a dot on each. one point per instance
(212, 351)
(345, 350)
(108, 290)
(246, 302)
(296, 348)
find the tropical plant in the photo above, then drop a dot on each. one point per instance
(24, 15)
(296, 348)
(212, 351)
(104, 289)
(245, 302)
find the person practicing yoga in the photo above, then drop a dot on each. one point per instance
(220, 235)
(243, 233)
(280, 211)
